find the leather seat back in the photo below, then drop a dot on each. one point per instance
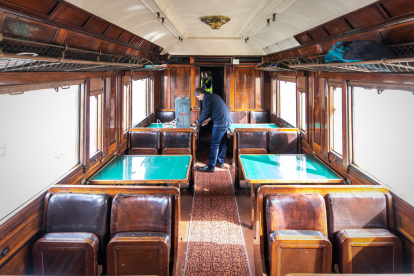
(259, 117)
(239, 117)
(251, 139)
(79, 213)
(355, 211)
(141, 213)
(145, 139)
(164, 116)
(296, 212)
(176, 139)
(283, 142)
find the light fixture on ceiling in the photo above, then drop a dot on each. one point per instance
(247, 39)
(268, 23)
(215, 21)
(162, 20)
(158, 15)
(274, 17)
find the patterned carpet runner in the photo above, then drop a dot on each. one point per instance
(215, 242)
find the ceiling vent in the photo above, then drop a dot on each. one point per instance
(250, 60)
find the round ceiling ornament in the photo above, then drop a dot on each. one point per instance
(215, 21)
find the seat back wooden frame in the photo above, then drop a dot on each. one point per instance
(112, 191)
(261, 241)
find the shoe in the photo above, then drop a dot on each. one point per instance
(206, 169)
(219, 165)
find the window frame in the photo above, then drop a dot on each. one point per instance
(278, 103)
(147, 94)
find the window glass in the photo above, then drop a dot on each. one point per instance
(93, 125)
(337, 119)
(288, 102)
(274, 83)
(152, 96)
(303, 111)
(382, 136)
(39, 141)
(139, 100)
(125, 117)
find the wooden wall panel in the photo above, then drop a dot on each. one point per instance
(14, 27)
(366, 17)
(78, 41)
(404, 34)
(398, 7)
(317, 111)
(180, 84)
(71, 15)
(318, 33)
(96, 24)
(258, 91)
(245, 88)
(40, 6)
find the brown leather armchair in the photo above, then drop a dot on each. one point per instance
(76, 234)
(144, 143)
(141, 235)
(297, 234)
(259, 117)
(357, 226)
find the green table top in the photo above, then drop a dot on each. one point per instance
(144, 169)
(164, 125)
(272, 168)
(234, 126)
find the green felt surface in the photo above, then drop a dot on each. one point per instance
(287, 168)
(154, 167)
(160, 125)
(234, 126)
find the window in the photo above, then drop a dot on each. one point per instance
(335, 94)
(151, 102)
(126, 108)
(39, 142)
(274, 84)
(139, 100)
(382, 136)
(94, 124)
(287, 101)
(302, 102)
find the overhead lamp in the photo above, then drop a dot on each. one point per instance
(215, 21)
(158, 15)
(162, 20)
(247, 39)
(274, 17)
(268, 23)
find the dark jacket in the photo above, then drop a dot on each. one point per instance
(215, 108)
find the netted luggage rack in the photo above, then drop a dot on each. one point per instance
(29, 56)
(401, 65)
(286, 64)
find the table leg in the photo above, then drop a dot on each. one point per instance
(252, 196)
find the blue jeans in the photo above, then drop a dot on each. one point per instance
(218, 146)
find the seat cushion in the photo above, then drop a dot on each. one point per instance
(295, 212)
(145, 139)
(355, 211)
(70, 236)
(142, 235)
(176, 139)
(239, 117)
(259, 117)
(283, 142)
(164, 116)
(141, 213)
(79, 213)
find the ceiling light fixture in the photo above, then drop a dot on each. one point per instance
(247, 39)
(274, 17)
(215, 21)
(158, 15)
(162, 20)
(268, 23)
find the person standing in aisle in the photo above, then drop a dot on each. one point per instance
(206, 82)
(214, 109)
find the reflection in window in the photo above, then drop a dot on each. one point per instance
(126, 109)
(303, 111)
(139, 100)
(287, 104)
(337, 119)
(39, 141)
(94, 119)
(382, 137)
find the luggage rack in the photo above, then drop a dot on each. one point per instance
(153, 68)
(401, 65)
(287, 64)
(30, 56)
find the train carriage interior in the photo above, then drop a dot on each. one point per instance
(101, 158)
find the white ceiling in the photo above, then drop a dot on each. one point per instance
(247, 19)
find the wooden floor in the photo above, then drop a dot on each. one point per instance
(243, 206)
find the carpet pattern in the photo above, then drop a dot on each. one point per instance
(215, 243)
